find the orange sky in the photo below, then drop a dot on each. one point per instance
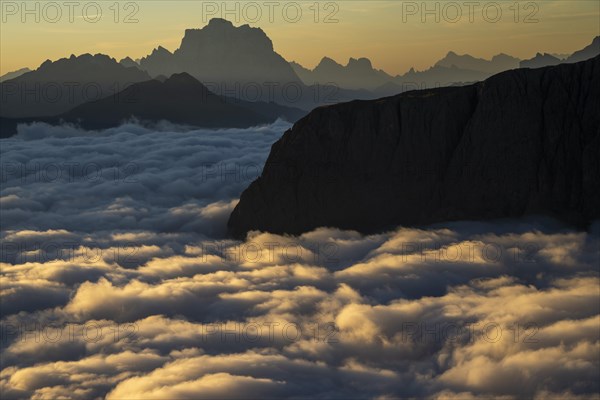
(395, 35)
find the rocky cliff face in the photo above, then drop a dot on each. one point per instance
(522, 142)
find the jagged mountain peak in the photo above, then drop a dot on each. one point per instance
(226, 34)
(328, 62)
(78, 60)
(219, 21)
(160, 50)
(360, 63)
(184, 79)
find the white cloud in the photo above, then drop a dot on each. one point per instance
(128, 288)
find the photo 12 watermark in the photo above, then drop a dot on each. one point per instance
(252, 12)
(453, 12)
(52, 12)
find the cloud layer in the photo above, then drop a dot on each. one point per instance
(120, 283)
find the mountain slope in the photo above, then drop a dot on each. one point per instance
(541, 60)
(522, 142)
(58, 86)
(498, 63)
(356, 74)
(181, 99)
(14, 74)
(587, 52)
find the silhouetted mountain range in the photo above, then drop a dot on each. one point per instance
(546, 60)
(241, 62)
(58, 86)
(180, 99)
(541, 60)
(586, 53)
(498, 63)
(128, 62)
(357, 74)
(233, 62)
(220, 52)
(451, 70)
(14, 74)
(522, 142)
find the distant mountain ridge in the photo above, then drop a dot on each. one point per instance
(219, 52)
(240, 62)
(14, 74)
(356, 74)
(498, 63)
(58, 86)
(523, 142)
(452, 69)
(541, 60)
(586, 53)
(180, 99)
(545, 59)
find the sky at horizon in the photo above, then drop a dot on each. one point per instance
(395, 35)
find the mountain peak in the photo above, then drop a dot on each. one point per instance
(327, 62)
(591, 50)
(184, 82)
(161, 50)
(128, 62)
(221, 52)
(219, 22)
(220, 34)
(361, 63)
(182, 78)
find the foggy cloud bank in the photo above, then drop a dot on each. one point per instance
(118, 281)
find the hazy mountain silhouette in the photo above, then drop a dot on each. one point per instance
(392, 88)
(498, 63)
(357, 74)
(438, 76)
(545, 60)
(523, 142)
(57, 86)
(14, 74)
(541, 60)
(160, 62)
(303, 73)
(360, 74)
(180, 99)
(587, 52)
(128, 62)
(238, 62)
(241, 62)
(220, 52)
(452, 70)
(228, 59)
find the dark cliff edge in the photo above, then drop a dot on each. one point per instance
(523, 142)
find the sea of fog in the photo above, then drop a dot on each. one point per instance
(118, 281)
